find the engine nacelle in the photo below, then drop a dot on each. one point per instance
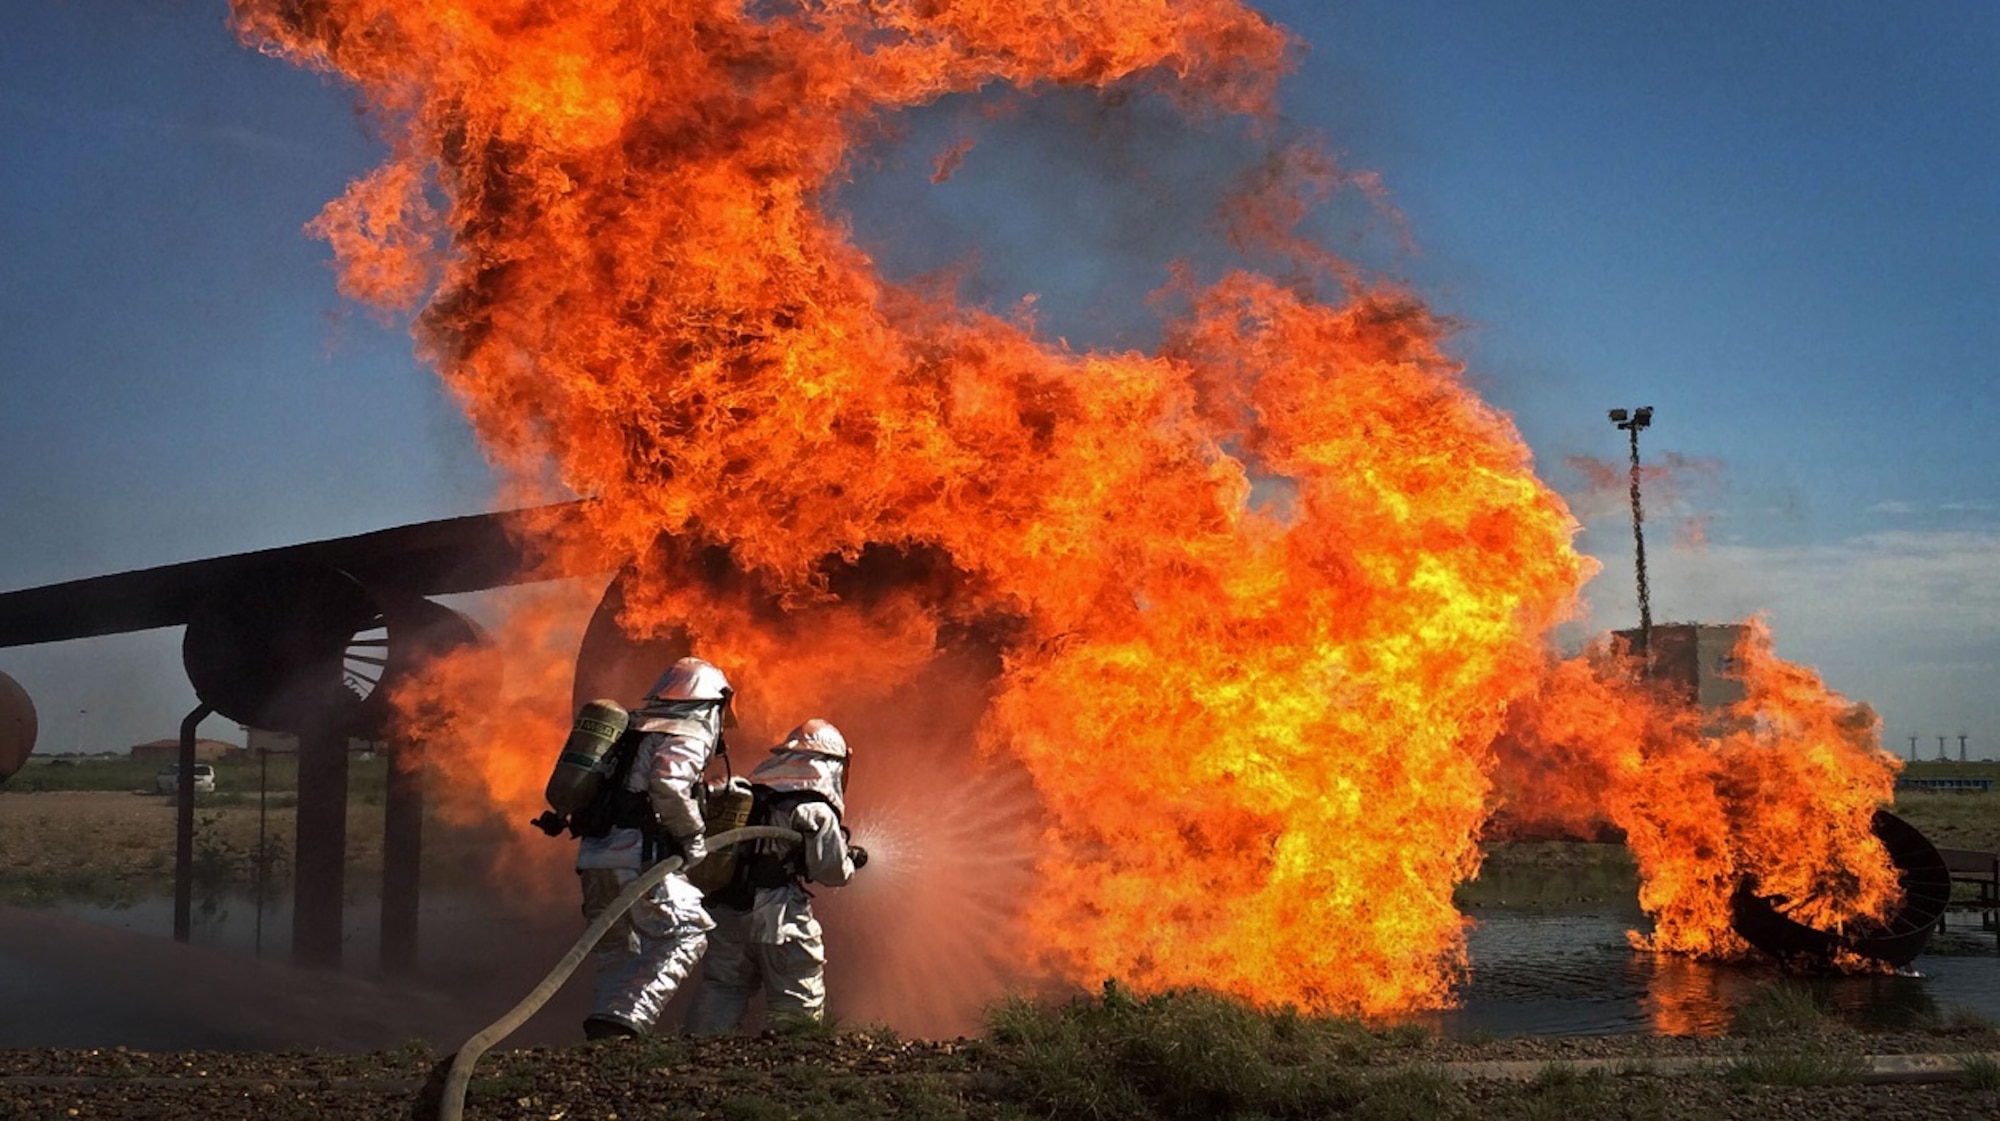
(297, 646)
(17, 726)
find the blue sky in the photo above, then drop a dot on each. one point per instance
(1778, 224)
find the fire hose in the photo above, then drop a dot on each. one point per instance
(459, 1076)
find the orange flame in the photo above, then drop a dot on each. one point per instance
(1781, 785)
(1257, 605)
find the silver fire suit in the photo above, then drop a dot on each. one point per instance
(645, 956)
(776, 944)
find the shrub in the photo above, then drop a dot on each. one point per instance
(1807, 1067)
(1418, 1093)
(1786, 1008)
(1181, 1054)
(1982, 1072)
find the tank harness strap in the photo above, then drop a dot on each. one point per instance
(764, 864)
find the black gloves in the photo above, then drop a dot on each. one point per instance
(859, 855)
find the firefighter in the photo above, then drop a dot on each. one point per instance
(645, 956)
(765, 935)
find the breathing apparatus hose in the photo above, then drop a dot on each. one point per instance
(452, 1107)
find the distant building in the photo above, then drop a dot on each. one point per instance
(274, 743)
(169, 751)
(1698, 657)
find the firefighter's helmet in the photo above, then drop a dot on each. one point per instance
(817, 737)
(690, 679)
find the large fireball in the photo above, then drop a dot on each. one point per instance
(1236, 623)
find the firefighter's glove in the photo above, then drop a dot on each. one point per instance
(694, 848)
(859, 855)
(550, 822)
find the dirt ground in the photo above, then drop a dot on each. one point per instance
(870, 1075)
(119, 844)
(131, 835)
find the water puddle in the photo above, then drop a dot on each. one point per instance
(88, 976)
(1538, 973)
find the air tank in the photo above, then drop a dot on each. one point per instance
(723, 809)
(583, 764)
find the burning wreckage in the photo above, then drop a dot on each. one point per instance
(1210, 666)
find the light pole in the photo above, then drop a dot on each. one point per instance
(1631, 423)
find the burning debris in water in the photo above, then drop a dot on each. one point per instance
(1780, 785)
(1242, 632)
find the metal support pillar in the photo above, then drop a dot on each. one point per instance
(184, 826)
(402, 856)
(320, 854)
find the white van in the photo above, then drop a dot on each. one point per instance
(169, 779)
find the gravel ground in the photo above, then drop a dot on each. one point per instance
(862, 1075)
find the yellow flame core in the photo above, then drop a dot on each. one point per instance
(1271, 593)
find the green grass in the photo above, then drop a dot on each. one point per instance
(1414, 1093)
(236, 780)
(1566, 1076)
(1796, 1041)
(1953, 819)
(1785, 1009)
(929, 1096)
(84, 774)
(1553, 875)
(1981, 1072)
(647, 1057)
(1798, 1067)
(36, 887)
(1955, 1019)
(756, 1107)
(1562, 1091)
(1182, 1054)
(1637, 1068)
(1929, 768)
(513, 1084)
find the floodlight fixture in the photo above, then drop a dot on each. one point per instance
(1633, 420)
